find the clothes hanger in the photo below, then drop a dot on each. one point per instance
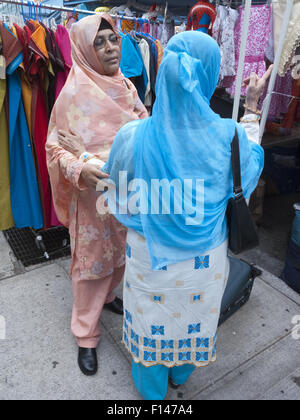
(146, 33)
(23, 14)
(39, 12)
(34, 14)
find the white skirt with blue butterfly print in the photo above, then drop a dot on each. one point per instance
(171, 316)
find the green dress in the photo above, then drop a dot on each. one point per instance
(6, 218)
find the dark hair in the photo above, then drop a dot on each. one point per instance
(105, 25)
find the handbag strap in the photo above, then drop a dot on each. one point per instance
(236, 167)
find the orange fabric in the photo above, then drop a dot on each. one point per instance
(160, 53)
(39, 36)
(127, 26)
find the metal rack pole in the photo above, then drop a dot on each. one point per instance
(63, 9)
(46, 6)
(267, 101)
(239, 78)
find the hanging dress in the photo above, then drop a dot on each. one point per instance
(64, 46)
(39, 116)
(6, 218)
(25, 200)
(56, 83)
(258, 37)
(25, 84)
(223, 33)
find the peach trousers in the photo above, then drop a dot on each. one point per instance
(89, 299)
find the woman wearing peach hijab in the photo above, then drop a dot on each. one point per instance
(94, 104)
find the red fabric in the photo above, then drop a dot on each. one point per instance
(197, 12)
(39, 122)
(40, 137)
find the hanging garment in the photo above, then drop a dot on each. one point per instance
(281, 98)
(160, 53)
(63, 63)
(64, 45)
(269, 53)
(152, 63)
(39, 113)
(132, 65)
(292, 39)
(55, 65)
(6, 218)
(25, 200)
(25, 84)
(258, 36)
(223, 33)
(291, 116)
(145, 53)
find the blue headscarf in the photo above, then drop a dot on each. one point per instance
(184, 140)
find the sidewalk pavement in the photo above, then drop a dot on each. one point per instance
(258, 353)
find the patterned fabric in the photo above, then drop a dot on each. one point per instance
(171, 316)
(93, 106)
(223, 33)
(258, 36)
(292, 41)
(279, 103)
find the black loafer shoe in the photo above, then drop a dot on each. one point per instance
(172, 384)
(115, 306)
(87, 361)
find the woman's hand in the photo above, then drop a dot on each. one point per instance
(71, 142)
(256, 87)
(91, 175)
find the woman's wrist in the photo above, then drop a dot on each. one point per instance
(85, 157)
(251, 108)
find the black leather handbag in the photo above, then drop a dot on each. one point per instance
(242, 229)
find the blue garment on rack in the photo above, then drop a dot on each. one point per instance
(25, 198)
(81, 6)
(132, 64)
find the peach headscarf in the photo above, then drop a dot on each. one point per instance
(91, 105)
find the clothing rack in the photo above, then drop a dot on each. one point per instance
(37, 5)
(267, 101)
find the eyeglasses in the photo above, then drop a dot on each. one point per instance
(101, 41)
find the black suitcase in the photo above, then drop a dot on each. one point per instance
(238, 288)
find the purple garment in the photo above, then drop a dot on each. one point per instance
(279, 103)
(258, 36)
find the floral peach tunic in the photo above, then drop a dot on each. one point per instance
(95, 107)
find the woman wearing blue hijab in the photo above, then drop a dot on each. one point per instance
(170, 182)
(173, 178)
